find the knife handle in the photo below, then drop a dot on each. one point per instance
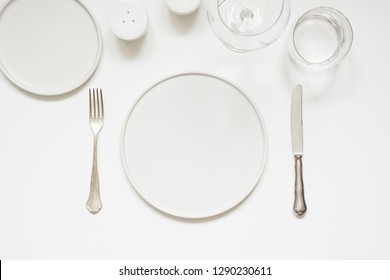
(299, 203)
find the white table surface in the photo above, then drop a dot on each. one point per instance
(46, 151)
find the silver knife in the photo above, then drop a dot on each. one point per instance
(297, 146)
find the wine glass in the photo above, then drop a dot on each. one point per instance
(247, 25)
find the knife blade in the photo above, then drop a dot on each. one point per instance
(297, 147)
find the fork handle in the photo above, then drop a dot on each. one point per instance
(94, 204)
(299, 203)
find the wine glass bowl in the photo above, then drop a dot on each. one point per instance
(247, 25)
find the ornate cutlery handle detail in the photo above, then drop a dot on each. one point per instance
(299, 203)
(94, 203)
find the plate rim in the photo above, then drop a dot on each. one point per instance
(61, 91)
(185, 214)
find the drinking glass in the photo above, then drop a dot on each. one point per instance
(320, 39)
(247, 25)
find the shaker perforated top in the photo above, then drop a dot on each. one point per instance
(128, 20)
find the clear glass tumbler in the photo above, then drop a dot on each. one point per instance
(247, 25)
(320, 39)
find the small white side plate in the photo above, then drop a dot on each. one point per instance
(193, 145)
(48, 47)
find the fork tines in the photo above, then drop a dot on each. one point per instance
(96, 108)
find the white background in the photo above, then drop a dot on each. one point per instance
(46, 151)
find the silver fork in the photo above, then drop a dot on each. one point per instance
(96, 120)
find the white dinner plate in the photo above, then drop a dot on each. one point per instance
(48, 47)
(193, 145)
